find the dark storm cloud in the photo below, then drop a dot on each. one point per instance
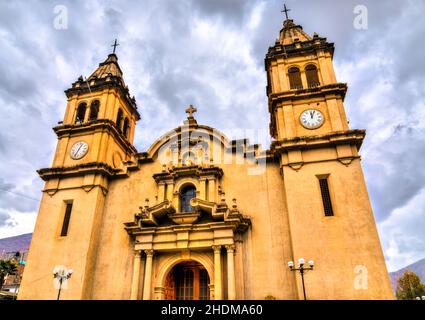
(6, 220)
(18, 199)
(402, 177)
(397, 175)
(3, 143)
(211, 54)
(231, 11)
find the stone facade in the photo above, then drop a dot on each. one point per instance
(224, 216)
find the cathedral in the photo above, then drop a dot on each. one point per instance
(200, 217)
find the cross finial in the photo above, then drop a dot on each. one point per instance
(115, 45)
(286, 10)
(191, 110)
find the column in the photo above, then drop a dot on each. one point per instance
(283, 84)
(334, 115)
(324, 70)
(202, 190)
(239, 268)
(176, 201)
(217, 273)
(289, 121)
(161, 192)
(148, 275)
(170, 187)
(231, 285)
(136, 275)
(280, 124)
(304, 79)
(212, 190)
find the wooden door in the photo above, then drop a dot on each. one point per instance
(188, 281)
(170, 289)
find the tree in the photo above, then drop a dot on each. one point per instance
(6, 267)
(409, 286)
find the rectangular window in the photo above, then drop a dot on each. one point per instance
(326, 197)
(66, 219)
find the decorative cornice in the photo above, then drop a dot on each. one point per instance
(298, 48)
(216, 248)
(96, 125)
(354, 137)
(219, 212)
(149, 252)
(198, 171)
(148, 215)
(338, 89)
(77, 170)
(231, 248)
(137, 254)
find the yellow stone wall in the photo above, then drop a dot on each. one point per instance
(48, 249)
(340, 243)
(258, 196)
(283, 203)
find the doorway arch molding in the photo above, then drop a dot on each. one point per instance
(169, 263)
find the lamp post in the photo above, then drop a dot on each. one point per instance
(61, 274)
(301, 268)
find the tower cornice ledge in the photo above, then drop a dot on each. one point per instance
(338, 89)
(299, 48)
(353, 137)
(77, 170)
(93, 126)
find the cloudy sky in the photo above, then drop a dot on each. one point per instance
(211, 53)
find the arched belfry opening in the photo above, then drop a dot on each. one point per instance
(81, 113)
(187, 280)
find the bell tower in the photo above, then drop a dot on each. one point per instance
(329, 211)
(99, 121)
(94, 139)
(301, 76)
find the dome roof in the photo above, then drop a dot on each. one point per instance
(292, 32)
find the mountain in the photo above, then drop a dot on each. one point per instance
(19, 243)
(418, 267)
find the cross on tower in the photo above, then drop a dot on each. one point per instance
(286, 10)
(115, 45)
(191, 110)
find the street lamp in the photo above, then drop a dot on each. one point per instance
(301, 268)
(61, 274)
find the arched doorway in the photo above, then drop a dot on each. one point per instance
(187, 281)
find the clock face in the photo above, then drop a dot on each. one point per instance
(311, 119)
(79, 150)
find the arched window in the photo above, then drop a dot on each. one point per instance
(186, 194)
(295, 78)
(81, 113)
(94, 110)
(312, 76)
(126, 127)
(119, 119)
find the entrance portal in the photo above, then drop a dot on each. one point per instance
(187, 281)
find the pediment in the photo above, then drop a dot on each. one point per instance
(188, 137)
